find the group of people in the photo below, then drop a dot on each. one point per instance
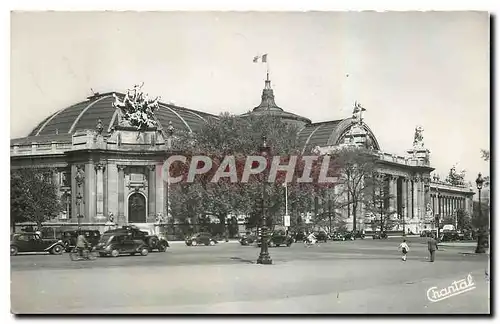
(432, 246)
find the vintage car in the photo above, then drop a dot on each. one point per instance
(248, 239)
(32, 242)
(337, 236)
(379, 235)
(277, 238)
(116, 243)
(321, 236)
(354, 235)
(69, 238)
(449, 236)
(153, 241)
(201, 238)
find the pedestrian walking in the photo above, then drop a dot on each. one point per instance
(404, 249)
(432, 246)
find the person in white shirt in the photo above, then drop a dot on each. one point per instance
(310, 240)
(404, 249)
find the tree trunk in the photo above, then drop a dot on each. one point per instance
(354, 207)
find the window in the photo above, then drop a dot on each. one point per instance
(65, 179)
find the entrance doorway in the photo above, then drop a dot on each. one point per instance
(137, 208)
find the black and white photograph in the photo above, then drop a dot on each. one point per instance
(250, 162)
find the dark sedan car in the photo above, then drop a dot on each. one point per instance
(336, 236)
(152, 241)
(449, 236)
(379, 235)
(201, 238)
(321, 236)
(278, 238)
(32, 242)
(116, 243)
(248, 239)
(354, 235)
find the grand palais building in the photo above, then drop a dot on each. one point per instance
(103, 167)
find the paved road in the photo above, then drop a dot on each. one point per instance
(336, 277)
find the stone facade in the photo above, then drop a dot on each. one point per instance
(116, 169)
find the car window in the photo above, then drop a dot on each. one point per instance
(24, 238)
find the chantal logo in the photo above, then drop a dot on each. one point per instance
(456, 288)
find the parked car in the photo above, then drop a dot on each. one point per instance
(201, 238)
(32, 242)
(321, 236)
(449, 236)
(427, 233)
(354, 235)
(114, 243)
(299, 237)
(69, 238)
(277, 238)
(336, 236)
(154, 242)
(380, 235)
(248, 239)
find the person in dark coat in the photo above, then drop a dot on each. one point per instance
(432, 246)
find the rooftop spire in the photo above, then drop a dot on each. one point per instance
(267, 102)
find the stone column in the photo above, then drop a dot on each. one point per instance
(423, 200)
(74, 192)
(418, 199)
(111, 192)
(121, 198)
(105, 192)
(99, 168)
(404, 193)
(393, 192)
(160, 193)
(55, 178)
(152, 192)
(414, 185)
(90, 194)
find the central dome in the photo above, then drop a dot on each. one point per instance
(269, 107)
(86, 114)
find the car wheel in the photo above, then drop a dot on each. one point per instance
(212, 243)
(13, 250)
(115, 253)
(144, 252)
(194, 243)
(163, 248)
(57, 250)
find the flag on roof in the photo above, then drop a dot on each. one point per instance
(260, 59)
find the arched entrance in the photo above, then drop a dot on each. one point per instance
(136, 208)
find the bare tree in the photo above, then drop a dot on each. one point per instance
(377, 202)
(355, 165)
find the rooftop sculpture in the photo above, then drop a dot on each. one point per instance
(418, 140)
(136, 109)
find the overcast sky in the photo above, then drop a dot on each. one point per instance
(407, 69)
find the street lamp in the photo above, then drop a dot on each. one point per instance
(480, 245)
(264, 257)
